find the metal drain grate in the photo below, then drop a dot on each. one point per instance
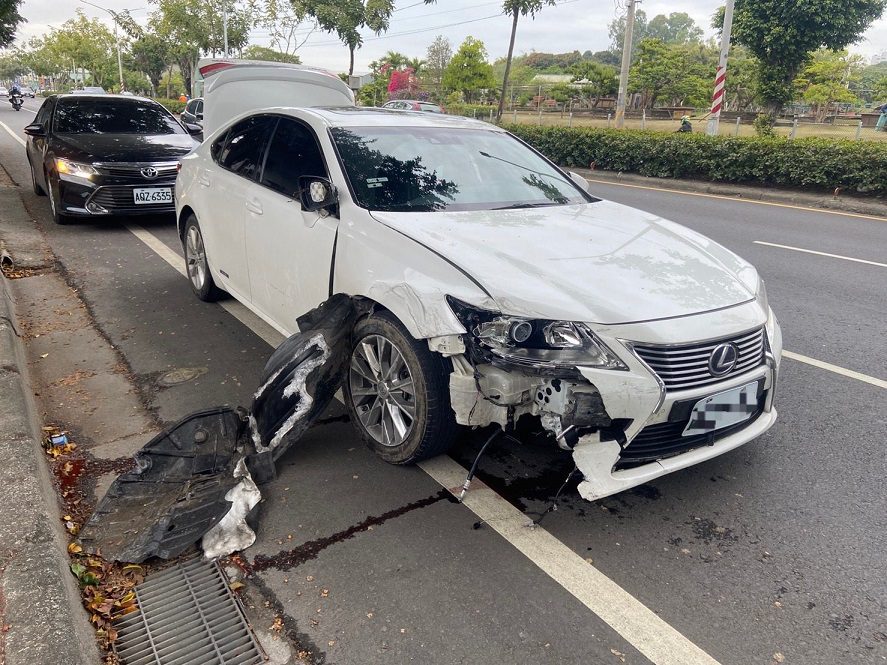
(187, 616)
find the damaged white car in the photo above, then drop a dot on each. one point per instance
(494, 285)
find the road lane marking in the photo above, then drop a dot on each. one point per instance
(238, 310)
(636, 623)
(13, 134)
(739, 199)
(812, 251)
(880, 383)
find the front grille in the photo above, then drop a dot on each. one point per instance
(134, 170)
(686, 366)
(662, 440)
(119, 199)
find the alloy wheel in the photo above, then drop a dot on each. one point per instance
(382, 391)
(195, 256)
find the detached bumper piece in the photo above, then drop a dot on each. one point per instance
(188, 478)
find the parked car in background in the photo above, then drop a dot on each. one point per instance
(494, 286)
(28, 91)
(193, 112)
(413, 105)
(89, 90)
(4, 92)
(97, 155)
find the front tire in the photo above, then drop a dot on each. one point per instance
(57, 217)
(397, 392)
(197, 264)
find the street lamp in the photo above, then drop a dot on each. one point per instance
(116, 40)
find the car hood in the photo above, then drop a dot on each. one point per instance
(596, 262)
(123, 147)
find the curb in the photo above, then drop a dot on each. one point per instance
(874, 206)
(41, 617)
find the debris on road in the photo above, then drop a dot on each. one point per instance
(198, 478)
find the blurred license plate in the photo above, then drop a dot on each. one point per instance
(730, 407)
(144, 195)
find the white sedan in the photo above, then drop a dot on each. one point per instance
(498, 287)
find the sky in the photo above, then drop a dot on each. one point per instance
(571, 25)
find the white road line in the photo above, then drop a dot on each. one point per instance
(12, 133)
(880, 383)
(812, 251)
(233, 307)
(624, 613)
(825, 211)
(636, 623)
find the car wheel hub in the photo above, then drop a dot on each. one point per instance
(382, 391)
(195, 255)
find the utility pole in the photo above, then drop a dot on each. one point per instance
(626, 65)
(717, 99)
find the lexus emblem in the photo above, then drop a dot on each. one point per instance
(723, 359)
(149, 172)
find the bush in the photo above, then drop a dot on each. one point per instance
(763, 125)
(813, 163)
(479, 111)
(172, 105)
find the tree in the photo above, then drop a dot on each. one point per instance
(516, 9)
(9, 20)
(873, 83)
(150, 56)
(597, 80)
(616, 30)
(347, 17)
(677, 73)
(84, 42)
(253, 52)
(826, 80)
(376, 93)
(783, 34)
(676, 28)
(11, 66)
(469, 70)
(281, 18)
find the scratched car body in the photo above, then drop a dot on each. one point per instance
(497, 287)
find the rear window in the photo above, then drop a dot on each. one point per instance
(113, 116)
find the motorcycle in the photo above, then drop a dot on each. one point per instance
(16, 101)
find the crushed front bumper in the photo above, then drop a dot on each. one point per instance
(626, 428)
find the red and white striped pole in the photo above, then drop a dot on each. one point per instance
(717, 99)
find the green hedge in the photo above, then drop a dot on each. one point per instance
(172, 105)
(812, 163)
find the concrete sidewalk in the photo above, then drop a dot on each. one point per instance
(41, 617)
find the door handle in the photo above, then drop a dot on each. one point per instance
(254, 207)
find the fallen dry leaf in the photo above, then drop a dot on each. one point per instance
(277, 626)
(778, 658)
(236, 585)
(618, 654)
(74, 548)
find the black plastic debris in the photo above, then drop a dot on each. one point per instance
(177, 491)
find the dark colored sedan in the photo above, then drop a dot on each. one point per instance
(105, 155)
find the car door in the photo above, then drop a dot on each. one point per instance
(289, 251)
(227, 186)
(36, 145)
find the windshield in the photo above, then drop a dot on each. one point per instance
(113, 116)
(440, 168)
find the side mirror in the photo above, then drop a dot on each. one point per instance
(579, 180)
(193, 129)
(35, 129)
(317, 193)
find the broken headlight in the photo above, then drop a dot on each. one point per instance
(535, 342)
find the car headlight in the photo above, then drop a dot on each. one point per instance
(67, 167)
(535, 342)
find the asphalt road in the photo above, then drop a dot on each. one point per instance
(776, 550)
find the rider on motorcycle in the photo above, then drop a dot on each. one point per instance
(15, 97)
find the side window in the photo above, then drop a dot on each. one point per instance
(293, 153)
(199, 108)
(216, 148)
(246, 144)
(190, 107)
(42, 117)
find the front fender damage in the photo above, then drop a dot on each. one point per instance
(198, 477)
